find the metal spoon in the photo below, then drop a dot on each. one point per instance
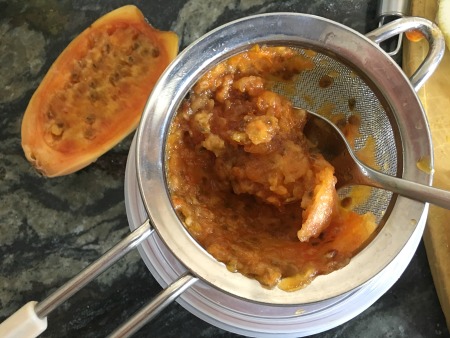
(350, 171)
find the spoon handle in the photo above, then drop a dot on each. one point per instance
(413, 190)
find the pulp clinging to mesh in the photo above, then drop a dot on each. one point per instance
(248, 185)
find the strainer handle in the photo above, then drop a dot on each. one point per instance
(31, 319)
(154, 307)
(431, 32)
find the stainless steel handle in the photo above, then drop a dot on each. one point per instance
(415, 191)
(393, 8)
(389, 11)
(46, 306)
(152, 309)
(431, 32)
(31, 319)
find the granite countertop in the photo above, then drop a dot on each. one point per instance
(51, 228)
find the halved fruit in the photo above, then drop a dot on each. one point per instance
(94, 93)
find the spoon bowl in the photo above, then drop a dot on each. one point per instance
(349, 170)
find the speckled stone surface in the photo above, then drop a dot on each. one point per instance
(51, 228)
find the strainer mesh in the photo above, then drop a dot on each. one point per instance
(348, 95)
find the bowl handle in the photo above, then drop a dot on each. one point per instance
(430, 31)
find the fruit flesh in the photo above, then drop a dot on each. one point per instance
(246, 182)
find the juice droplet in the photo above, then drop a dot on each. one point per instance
(424, 164)
(299, 312)
(346, 202)
(351, 103)
(333, 74)
(325, 81)
(326, 109)
(308, 99)
(414, 35)
(310, 53)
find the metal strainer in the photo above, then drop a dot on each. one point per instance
(390, 112)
